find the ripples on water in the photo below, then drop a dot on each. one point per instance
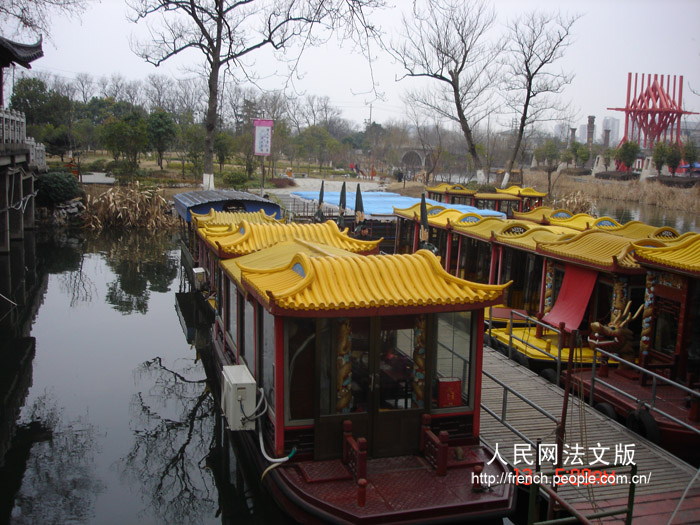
(117, 425)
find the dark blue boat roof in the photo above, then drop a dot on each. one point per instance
(221, 200)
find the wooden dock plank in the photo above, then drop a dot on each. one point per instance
(586, 429)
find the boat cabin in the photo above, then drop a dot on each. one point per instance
(341, 341)
(670, 338)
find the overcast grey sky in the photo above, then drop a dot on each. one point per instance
(612, 38)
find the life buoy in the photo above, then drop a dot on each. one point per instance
(606, 409)
(644, 424)
(549, 374)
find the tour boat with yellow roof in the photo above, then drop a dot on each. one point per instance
(355, 386)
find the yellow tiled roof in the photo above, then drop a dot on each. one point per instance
(580, 221)
(635, 229)
(278, 256)
(358, 283)
(481, 228)
(540, 214)
(444, 216)
(529, 239)
(253, 237)
(445, 187)
(496, 196)
(440, 188)
(228, 218)
(413, 212)
(684, 256)
(593, 248)
(522, 192)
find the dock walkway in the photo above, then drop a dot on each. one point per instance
(589, 432)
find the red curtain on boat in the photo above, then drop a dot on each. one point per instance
(576, 289)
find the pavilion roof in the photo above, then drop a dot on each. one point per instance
(377, 283)
(16, 53)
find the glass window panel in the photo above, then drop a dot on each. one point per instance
(451, 382)
(268, 353)
(301, 341)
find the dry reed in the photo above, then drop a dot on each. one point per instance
(129, 207)
(651, 193)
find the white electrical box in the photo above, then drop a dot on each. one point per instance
(238, 397)
(200, 278)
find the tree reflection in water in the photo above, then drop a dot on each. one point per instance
(142, 262)
(60, 484)
(172, 424)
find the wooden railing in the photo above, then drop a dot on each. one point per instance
(434, 448)
(355, 457)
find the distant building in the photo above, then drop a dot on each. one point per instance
(613, 124)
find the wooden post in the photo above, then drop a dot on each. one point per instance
(361, 492)
(425, 426)
(476, 485)
(347, 433)
(442, 453)
(362, 458)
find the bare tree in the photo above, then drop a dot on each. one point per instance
(133, 92)
(228, 32)
(446, 40)
(36, 17)
(536, 42)
(85, 86)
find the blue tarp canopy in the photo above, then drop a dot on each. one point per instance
(383, 203)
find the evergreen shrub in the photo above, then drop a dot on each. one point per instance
(54, 188)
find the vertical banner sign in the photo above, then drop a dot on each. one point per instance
(263, 136)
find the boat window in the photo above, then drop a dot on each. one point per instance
(268, 357)
(402, 362)
(405, 236)
(694, 327)
(603, 302)
(451, 385)
(247, 349)
(219, 291)
(231, 313)
(666, 313)
(300, 336)
(344, 366)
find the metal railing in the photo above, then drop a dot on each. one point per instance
(655, 378)
(530, 321)
(504, 408)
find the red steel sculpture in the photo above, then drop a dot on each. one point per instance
(653, 113)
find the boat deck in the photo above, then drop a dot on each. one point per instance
(391, 489)
(549, 341)
(667, 476)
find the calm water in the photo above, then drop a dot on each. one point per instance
(683, 222)
(117, 425)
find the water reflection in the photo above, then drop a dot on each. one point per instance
(172, 421)
(54, 457)
(106, 415)
(654, 215)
